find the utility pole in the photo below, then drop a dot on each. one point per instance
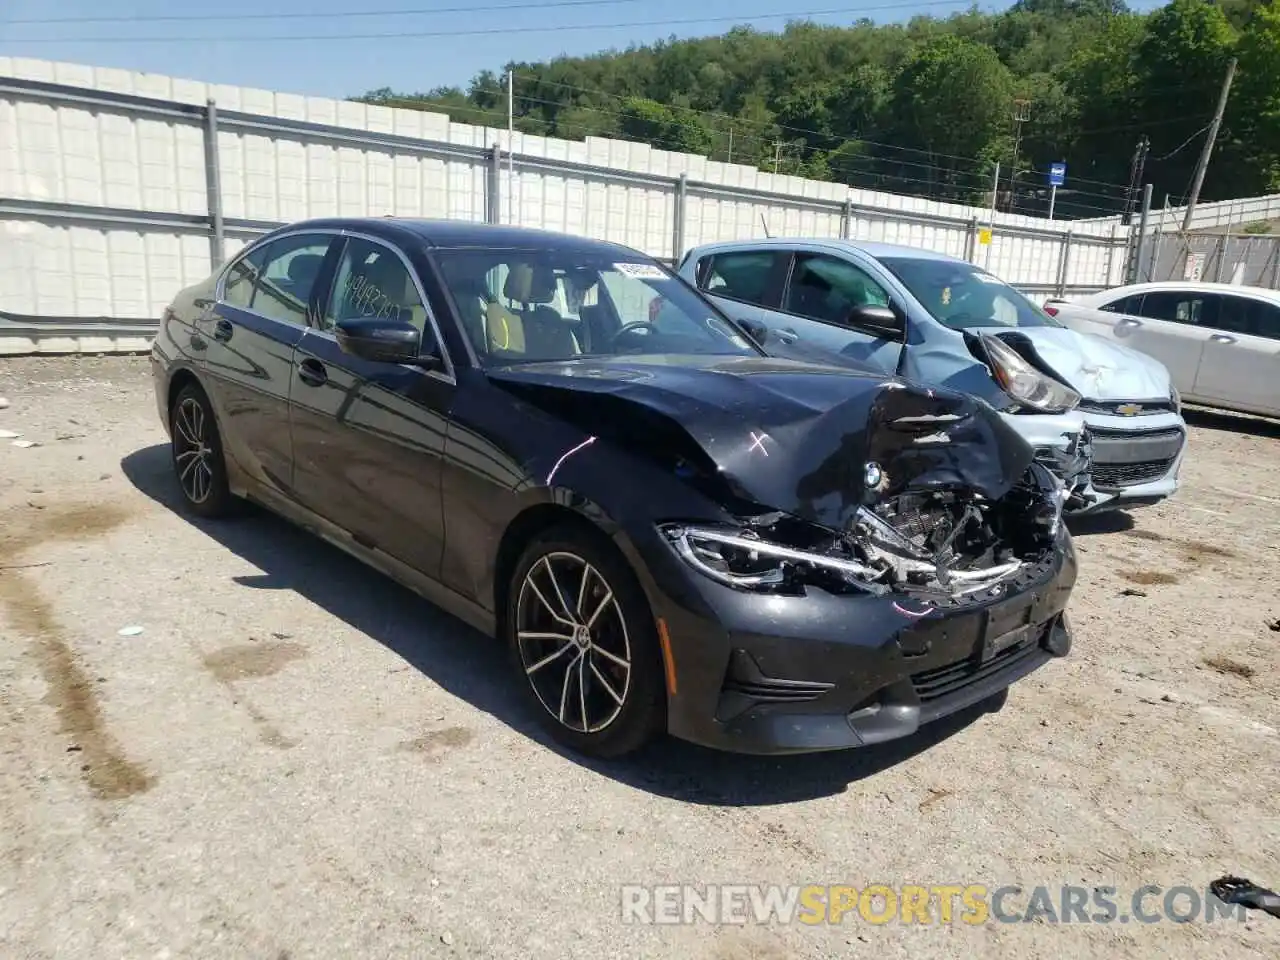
(730, 160)
(1136, 169)
(1021, 114)
(1197, 181)
(777, 154)
(511, 146)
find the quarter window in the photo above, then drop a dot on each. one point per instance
(372, 281)
(237, 287)
(288, 279)
(1131, 305)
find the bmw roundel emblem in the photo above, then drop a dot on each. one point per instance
(872, 474)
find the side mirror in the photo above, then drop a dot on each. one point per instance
(879, 321)
(381, 339)
(757, 331)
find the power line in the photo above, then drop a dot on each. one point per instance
(489, 31)
(312, 15)
(730, 118)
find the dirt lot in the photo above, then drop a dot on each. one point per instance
(297, 758)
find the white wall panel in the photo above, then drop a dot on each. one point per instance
(103, 157)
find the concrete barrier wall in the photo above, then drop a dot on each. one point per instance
(119, 188)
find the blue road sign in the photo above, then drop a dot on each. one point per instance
(1057, 174)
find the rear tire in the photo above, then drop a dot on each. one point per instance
(583, 642)
(196, 450)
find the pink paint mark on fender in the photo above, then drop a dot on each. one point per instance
(909, 613)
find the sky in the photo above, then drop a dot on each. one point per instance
(337, 48)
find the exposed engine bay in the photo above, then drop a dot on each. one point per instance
(944, 544)
(826, 480)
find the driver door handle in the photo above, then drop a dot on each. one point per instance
(1128, 322)
(1222, 338)
(312, 373)
(787, 335)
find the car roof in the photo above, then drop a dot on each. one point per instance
(869, 248)
(1191, 286)
(461, 234)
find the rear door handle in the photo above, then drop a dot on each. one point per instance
(787, 335)
(222, 330)
(1222, 338)
(1128, 322)
(312, 373)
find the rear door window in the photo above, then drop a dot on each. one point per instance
(1196, 309)
(289, 276)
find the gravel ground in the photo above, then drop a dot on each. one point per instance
(297, 758)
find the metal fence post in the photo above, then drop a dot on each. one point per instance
(1064, 262)
(493, 209)
(846, 221)
(677, 231)
(1111, 256)
(971, 242)
(213, 185)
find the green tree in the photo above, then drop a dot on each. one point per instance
(1252, 128)
(952, 98)
(663, 127)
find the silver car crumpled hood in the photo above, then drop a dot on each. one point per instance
(1095, 367)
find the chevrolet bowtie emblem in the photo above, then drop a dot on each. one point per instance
(1129, 409)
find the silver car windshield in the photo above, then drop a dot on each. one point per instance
(961, 296)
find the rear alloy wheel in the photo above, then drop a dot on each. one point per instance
(584, 641)
(197, 455)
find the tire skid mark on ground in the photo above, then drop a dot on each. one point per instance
(106, 770)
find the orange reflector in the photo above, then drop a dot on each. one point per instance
(667, 661)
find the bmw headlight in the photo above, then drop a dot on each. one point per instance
(745, 561)
(1026, 384)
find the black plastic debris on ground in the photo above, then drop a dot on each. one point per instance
(1246, 893)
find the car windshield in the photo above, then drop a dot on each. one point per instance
(557, 304)
(960, 295)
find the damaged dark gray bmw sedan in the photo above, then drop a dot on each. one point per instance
(670, 530)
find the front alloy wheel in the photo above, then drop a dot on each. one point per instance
(583, 639)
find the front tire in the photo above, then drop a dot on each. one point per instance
(198, 461)
(583, 641)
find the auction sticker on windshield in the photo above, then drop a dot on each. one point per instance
(640, 271)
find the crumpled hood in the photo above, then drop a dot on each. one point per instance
(781, 434)
(1097, 368)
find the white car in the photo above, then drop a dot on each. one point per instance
(1220, 342)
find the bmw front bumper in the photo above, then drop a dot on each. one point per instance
(767, 674)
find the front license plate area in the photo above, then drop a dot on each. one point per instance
(1007, 626)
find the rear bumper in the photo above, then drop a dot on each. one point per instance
(763, 674)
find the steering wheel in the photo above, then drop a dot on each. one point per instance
(634, 327)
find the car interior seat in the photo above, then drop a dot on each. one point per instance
(543, 333)
(302, 272)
